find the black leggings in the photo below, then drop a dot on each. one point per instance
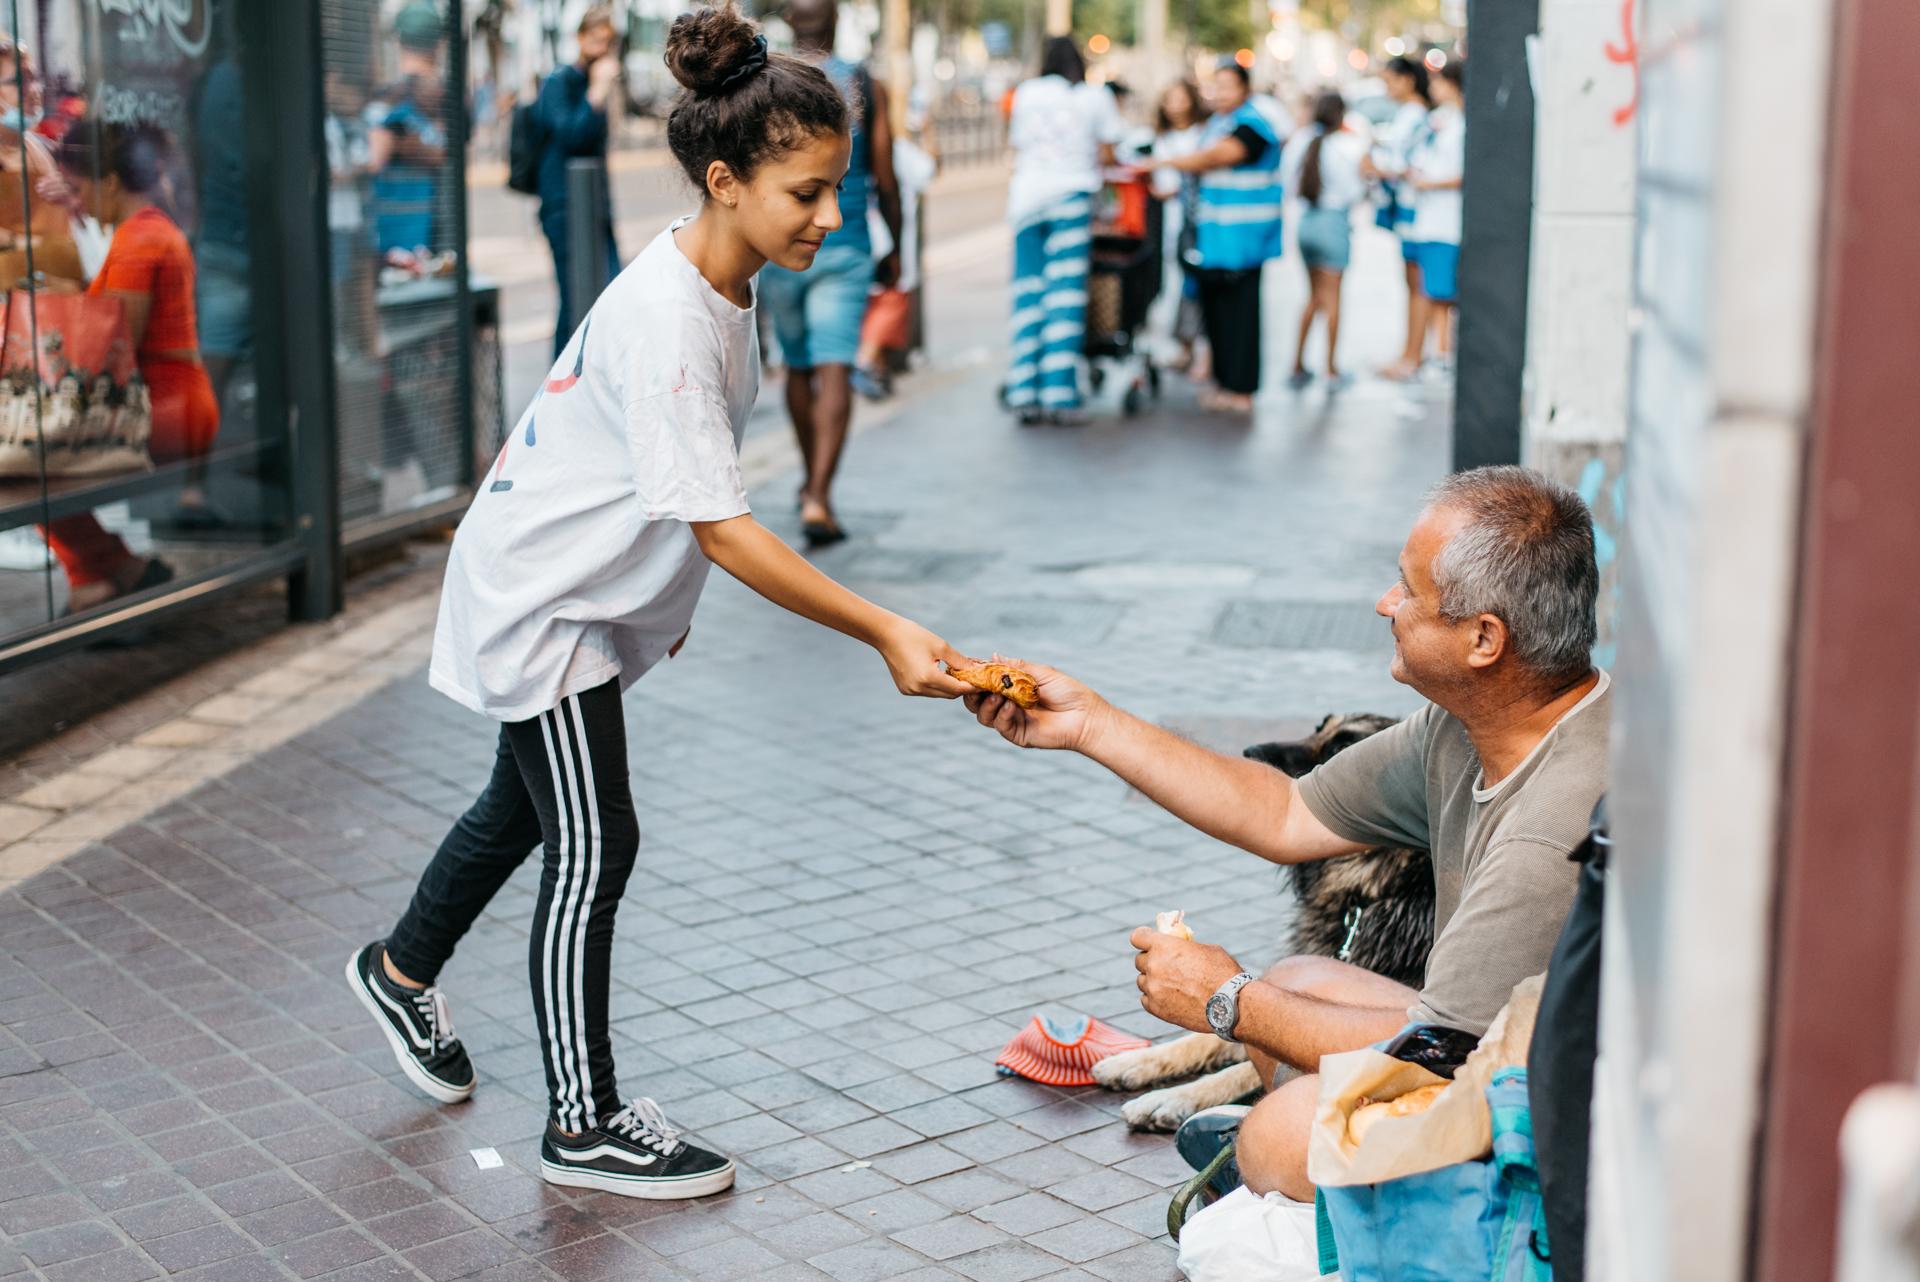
(560, 782)
(1230, 309)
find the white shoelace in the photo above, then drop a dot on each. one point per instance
(643, 1120)
(432, 1005)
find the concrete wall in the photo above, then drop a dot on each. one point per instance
(1732, 137)
(1575, 391)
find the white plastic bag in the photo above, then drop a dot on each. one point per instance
(1244, 1238)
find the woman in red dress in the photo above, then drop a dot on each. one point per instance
(113, 172)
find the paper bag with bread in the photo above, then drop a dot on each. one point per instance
(1382, 1118)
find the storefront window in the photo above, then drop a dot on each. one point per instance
(130, 449)
(394, 205)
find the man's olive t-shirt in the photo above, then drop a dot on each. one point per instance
(1502, 879)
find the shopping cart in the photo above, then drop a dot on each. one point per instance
(1122, 282)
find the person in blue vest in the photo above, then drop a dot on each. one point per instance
(1236, 230)
(816, 314)
(572, 111)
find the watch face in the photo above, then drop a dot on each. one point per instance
(1220, 1013)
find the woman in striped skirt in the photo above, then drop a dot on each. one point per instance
(1062, 131)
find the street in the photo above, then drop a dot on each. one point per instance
(845, 902)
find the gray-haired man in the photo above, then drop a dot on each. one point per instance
(1498, 775)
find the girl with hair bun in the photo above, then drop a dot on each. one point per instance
(577, 569)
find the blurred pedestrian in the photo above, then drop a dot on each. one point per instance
(26, 160)
(817, 314)
(1322, 164)
(1180, 122)
(887, 329)
(577, 570)
(113, 173)
(1062, 131)
(1237, 229)
(407, 140)
(572, 115)
(1407, 85)
(1435, 171)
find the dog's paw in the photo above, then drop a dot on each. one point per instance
(1131, 1070)
(1161, 1110)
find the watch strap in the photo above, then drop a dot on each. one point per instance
(1230, 992)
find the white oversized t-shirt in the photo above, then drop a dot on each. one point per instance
(1056, 129)
(575, 564)
(1439, 156)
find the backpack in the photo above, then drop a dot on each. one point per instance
(525, 141)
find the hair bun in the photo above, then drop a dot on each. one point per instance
(707, 47)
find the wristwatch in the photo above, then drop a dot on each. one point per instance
(1223, 1008)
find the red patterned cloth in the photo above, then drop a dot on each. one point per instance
(1061, 1050)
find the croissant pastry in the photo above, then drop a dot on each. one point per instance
(1173, 922)
(1002, 679)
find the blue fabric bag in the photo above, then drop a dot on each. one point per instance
(1471, 1222)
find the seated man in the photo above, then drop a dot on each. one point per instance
(1493, 621)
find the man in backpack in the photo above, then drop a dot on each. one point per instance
(572, 116)
(816, 314)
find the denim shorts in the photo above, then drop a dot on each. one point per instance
(1439, 263)
(816, 313)
(1326, 239)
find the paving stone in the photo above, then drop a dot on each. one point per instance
(871, 1261)
(609, 1256)
(180, 1252)
(955, 1235)
(1004, 1262)
(1083, 1240)
(1147, 1262)
(816, 1234)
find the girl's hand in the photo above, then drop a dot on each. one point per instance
(914, 656)
(1064, 718)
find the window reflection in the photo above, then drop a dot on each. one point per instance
(141, 301)
(127, 337)
(407, 143)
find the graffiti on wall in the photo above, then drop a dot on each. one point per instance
(1626, 54)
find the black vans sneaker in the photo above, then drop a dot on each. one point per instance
(417, 1024)
(634, 1153)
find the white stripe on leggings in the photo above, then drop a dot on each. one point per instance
(565, 944)
(549, 992)
(596, 845)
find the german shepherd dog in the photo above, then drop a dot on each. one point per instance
(1374, 909)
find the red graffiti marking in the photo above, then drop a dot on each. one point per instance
(1627, 55)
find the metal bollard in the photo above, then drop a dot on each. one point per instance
(587, 265)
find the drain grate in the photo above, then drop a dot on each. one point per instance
(1249, 624)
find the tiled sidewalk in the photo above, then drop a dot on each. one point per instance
(846, 902)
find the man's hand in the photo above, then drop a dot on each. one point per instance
(1064, 718)
(1177, 976)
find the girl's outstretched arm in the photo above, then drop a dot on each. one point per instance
(752, 554)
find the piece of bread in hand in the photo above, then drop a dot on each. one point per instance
(1367, 1116)
(1002, 679)
(1173, 922)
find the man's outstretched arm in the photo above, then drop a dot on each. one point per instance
(1246, 803)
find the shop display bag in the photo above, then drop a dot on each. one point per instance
(72, 402)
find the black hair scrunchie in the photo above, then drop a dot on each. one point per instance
(750, 64)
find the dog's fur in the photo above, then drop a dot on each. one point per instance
(1392, 889)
